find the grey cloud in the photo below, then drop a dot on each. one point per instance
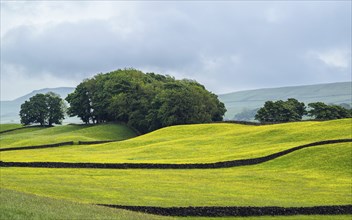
(177, 37)
(89, 47)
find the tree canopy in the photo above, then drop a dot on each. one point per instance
(145, 101)
(281, 111)
(322, 111)
(45, 109)
(293, 110)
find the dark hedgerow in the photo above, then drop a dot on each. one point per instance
(219, 211)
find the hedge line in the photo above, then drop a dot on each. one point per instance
(263, 123)
(15, 129)
(225, 164)
(216, 211)
(38, 146)
(244, 122)
(55, 145)
(94, 142)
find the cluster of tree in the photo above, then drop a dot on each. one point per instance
(281, 111)
(293, 110)
(45, 109)
(144, 101)
(322, 111)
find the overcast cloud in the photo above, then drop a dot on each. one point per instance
(227, 46)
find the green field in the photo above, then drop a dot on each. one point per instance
(195, 143)
(315, 176)
(44, 135)
(16, 205)
(5, 127)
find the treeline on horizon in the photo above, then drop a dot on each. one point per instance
(149, 101)
(293, 110)
(144, 101)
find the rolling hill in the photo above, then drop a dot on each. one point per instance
(242, 105)
(311, 177)
(203, 143)
(314, 176)
(6, 127)
(29, 136)
(16, 205)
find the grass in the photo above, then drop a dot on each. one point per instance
(16, 205)
(39, 136)
(298, 217)
(195, 143)
(312, 176)
(5, 127)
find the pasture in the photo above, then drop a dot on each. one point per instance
(6, 127)
(202, 143)
(319, 175)
(30, 136)
(16, 205)
(315, 176)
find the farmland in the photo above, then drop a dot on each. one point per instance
(16, 205)
(314, 176)
(192, 143)
(6, 127)
(225, 187)
(30, 136)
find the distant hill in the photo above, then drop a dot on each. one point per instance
(10, 109)
(62, 91)
(243, 105)
(240, 105)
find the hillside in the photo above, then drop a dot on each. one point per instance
(16, 205)
(30, 136)
(314, 176)
(310, 177)
(10, 109)
(202, 143)
(6, 127)
(247, 102)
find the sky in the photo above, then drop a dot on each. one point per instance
(225, 45)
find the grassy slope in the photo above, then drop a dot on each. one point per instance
(16, 205)
(195, 143)
(313, 176)
(38, 136)
(5, 127)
